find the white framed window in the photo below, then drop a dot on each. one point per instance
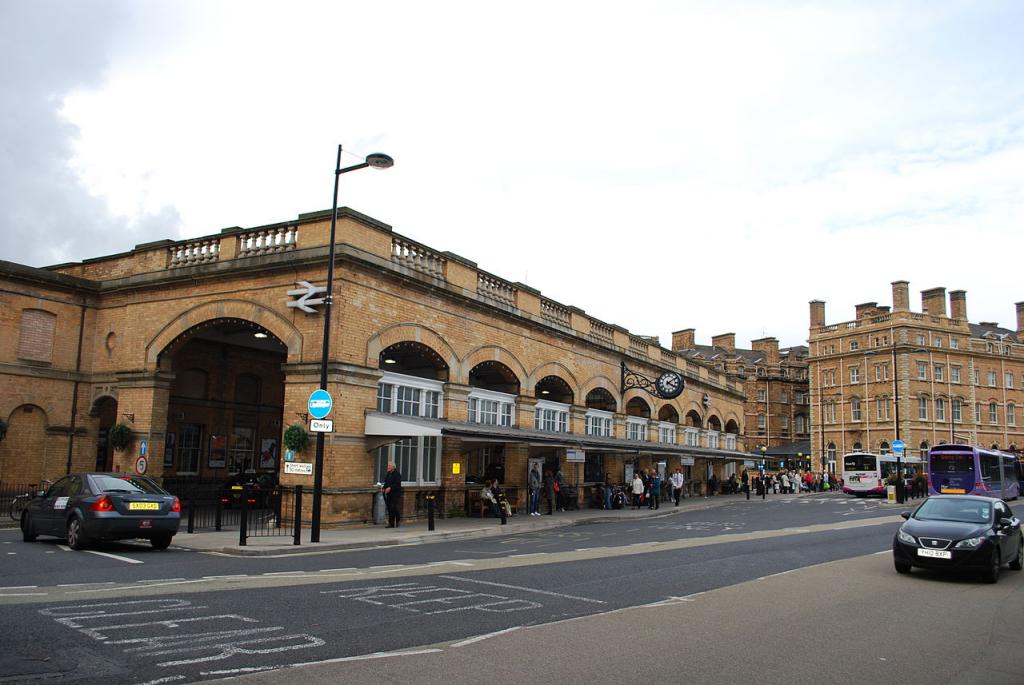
(993, 412)
(958, 411)
(854, 345)
(940, 409)
(667, 433)
(920, 339)
(937, 342)
(881, 372)
(713, 440)
(730, 441)
(190, 448)
(954, 344)
(991, 378)
(636, 428)
(784, 421)
(940, 373)
(922, 408)
(977, 376)
(761, 422)
(954, 374)
(801, 423)
(1011, 414)
(692, 437)
(922, 371)
(855, 409)
(599, 423)
(882, 405)
(418, 459)
(492, 408)
(977, 412)
(409, 396)
(1008, 380)
(760, 395)
(855, 374)
(551, 416)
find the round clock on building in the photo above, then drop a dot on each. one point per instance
(669, 385)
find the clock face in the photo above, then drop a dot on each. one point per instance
(669, 385)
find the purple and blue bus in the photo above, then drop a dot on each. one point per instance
(967, 470)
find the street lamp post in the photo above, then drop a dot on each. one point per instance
(764, 473)
(377, 161)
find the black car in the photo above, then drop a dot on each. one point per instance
(960, 532)
(83, 507)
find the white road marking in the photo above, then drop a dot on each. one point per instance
(361, 657)
(23, 594)
(478, 638)
(107, 582)
(114, 556)
(236, 575)
(285, 573)
(19, 587)
(159, 580)
(65, 548)
(168, 679)
(525, 589)
(337, 570)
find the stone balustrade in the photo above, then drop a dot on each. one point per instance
(268, 241)
(495, 289)
(555, 313)
(192, 252)
(417, 257)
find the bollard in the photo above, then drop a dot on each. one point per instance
(217, 514)
(191, 523)
(501, 507)
(243, 524)
(297, 530)
(430, 512)
(747, 488)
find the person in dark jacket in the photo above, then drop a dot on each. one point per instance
(393, 495)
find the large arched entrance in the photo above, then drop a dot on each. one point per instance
(226, 403)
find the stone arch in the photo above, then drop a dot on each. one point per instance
(404, 332)
(489, 353)
(553, 369)
(273, 322)
(23, 453)
(732, 426)
(667, 412)
(693, 419)
(714, 423)
(602, 382)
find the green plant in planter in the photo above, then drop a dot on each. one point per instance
(119, 436)
(296, 438)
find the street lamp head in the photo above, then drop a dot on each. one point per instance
(378, 160)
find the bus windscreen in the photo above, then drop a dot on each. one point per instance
(952, 463)
(859, 462)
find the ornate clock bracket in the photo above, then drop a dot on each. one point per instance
(667, 386)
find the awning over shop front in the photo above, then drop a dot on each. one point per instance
(384, 428)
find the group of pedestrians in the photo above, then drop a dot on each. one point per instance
(552, 485)
(648, 487)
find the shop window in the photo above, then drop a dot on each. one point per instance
(485, 464)
(417, 459)
(190, 448)
(593, 468)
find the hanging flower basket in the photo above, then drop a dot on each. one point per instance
(119, 436)
(296, 438)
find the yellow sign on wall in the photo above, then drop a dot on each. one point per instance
(456, 468)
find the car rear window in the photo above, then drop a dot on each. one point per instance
(126, 484)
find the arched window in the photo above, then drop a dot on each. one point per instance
(831, 451)
(924, 449)
(857, 447)
(883, 447)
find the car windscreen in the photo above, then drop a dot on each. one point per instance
(129, 484)
(967, 511)
(859, 462)
(952, 463)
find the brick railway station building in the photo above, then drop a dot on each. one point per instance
(452, 372)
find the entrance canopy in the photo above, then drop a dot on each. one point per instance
(384, 428)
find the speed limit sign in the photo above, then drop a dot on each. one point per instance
(141, 464)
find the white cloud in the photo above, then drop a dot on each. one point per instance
(661, 165)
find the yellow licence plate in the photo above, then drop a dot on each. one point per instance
(953, 491)
(136, 506)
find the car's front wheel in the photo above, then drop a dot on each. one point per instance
(991, 574)
(28, 533)
(76, 534)
(901, 566)
(1018, 561)
(160, 541)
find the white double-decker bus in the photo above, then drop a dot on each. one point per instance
(865, 473)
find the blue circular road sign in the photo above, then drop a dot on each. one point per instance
(320, 404)
(898, 446)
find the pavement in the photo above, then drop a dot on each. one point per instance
(351, 537)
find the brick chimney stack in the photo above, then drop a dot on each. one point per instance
(683, 340)
(727, 341)
(934, 301)
(1020, 320)
(958, 304)
(901, 296)
(769, 347)
(866, 309)
(817, 313)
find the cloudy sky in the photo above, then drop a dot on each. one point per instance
(661, 165)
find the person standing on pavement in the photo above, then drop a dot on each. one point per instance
(534, 490)
(638, 489)
(608, 489)
(560, 489)
(745, 480)
(655, 502)
(549, 489)
(393, 495)
(677, 484)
